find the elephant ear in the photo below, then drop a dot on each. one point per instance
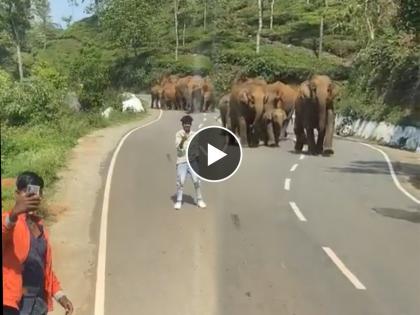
(332, 91)
(305, 90)
(244, 96)
(312, 89)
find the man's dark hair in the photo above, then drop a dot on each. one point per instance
(187, 119)
(28, 178)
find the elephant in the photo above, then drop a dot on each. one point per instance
(168, 99)
(182, 94)
(282, 96)
(247, 101)
(315, 110)
(173, 78)
(189, 92)
(224, 110)
(272, 123)
(208, 95)
(156, 92)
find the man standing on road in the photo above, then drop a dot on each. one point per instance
(29, 282)
(182, 169)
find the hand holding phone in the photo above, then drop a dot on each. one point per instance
(26, 202)
(33, 190)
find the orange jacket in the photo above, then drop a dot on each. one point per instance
(15, 249)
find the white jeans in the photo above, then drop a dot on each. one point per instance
(182, 169)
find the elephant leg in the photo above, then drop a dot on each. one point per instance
(329, 133)
(300, 134)
(276, 130)
(320, 140)
(269, 125)
(311, 140)
(243, 132)
(283, 131)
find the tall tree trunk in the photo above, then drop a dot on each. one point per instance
(183, 35)
(259, 26)
(369, 23)
(205, 15)
(307, 1)
(176, 29)
(20, 66)
(271, 15)
(321, 37)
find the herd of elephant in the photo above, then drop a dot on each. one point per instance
(189, 93)
(258, 111)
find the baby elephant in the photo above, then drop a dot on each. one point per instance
(273, 122)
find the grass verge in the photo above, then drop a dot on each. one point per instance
(44, 148)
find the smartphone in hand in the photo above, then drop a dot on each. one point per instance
(33, 190)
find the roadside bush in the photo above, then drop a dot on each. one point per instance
(33, 101)
(91, 73)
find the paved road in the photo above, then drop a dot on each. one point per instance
(351, 247)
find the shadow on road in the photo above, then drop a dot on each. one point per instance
(399, 214)
(185, 199)
(412, 171)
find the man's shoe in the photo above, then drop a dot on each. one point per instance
(178, 205)
(201, 204)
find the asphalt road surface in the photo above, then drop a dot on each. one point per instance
(287, 234)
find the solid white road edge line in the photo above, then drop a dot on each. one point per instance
(294, 167)
(340, 265)
(392, 172)
(100, 270)
(299, 214)
(287, 184)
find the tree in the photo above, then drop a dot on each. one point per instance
(271, 14)
(260, 20)
(129, 22)
(42, 11)
(67, 20)
(176, 7)
(15, 17)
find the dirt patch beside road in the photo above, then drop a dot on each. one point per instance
(75, 230)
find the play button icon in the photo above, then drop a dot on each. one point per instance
(214, 153)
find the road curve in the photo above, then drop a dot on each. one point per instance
(287, 234)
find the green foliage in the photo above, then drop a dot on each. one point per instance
(48, 74)
(409, 15)
(32, 101)
(129, 22)
(92, 76)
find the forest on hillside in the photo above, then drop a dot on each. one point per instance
(371, 47)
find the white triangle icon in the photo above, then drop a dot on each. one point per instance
(214, 154)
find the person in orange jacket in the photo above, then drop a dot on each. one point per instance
(29, 282)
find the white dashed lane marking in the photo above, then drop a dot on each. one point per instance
(340, 265)
(287, 184)
(301, 157)
(294, 167)
(299, 214)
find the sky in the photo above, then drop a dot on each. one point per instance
(60, 8)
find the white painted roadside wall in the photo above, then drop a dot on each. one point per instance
(407, 138)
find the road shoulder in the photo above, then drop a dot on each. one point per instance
(74, 230)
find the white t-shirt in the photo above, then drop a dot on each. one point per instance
(181, 153)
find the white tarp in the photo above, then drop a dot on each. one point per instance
(107, 112)
(133, 103)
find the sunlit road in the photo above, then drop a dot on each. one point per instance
(288, 234)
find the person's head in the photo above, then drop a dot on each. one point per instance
(28, 178)
(186, 123)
